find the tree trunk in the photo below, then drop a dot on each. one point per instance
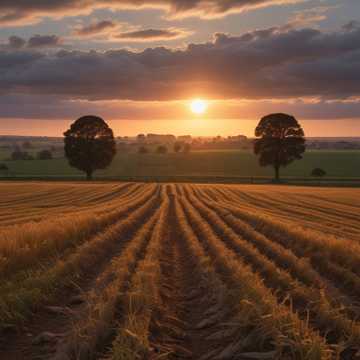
(89, 176)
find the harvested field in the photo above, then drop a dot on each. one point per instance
(179, 271)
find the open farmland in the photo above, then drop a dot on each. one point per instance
(208, 164)
(178, 271)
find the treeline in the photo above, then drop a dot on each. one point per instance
(333, 144)
(177, 147)
(28, 150)
(196, 143)
(24, 155)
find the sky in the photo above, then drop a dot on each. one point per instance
(139, 64)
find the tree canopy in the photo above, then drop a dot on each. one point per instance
(89, 144)
(280, 141)
(21, 155)
(318, 172)
(161, 149)
(177, 146)
(44, 155)
(143, 150)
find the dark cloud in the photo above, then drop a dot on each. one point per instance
(12, 61)
(16, 42)
(51, 107)
(108, 28)
(264, 64)
(95, 28)
(37, 41)
(18, 11)
(352, 25)
(152, 34)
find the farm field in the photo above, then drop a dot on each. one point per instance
(216, 163)
(178, 271)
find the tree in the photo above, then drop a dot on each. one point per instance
(21, 155)
(318, 172)
(177, 146)
(4, 169)
(89, 144)
(44, 155)
(281, 141)
(161, 149)
(187, 148)
(27, 145)
(143, 150)
(141, 138)
(17, 155)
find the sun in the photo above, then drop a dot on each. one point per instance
(198, 106)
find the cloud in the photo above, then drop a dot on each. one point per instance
(35, 42)
(50, 107)
(110, 29)
(352, 25)
(275, 63)
(38, 41)
(16, 42)
(20, 11)
(310, 16)
(152, 34)
(96, 28)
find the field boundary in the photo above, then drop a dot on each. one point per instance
(337, 182)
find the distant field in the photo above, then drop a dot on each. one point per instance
(337, 164)
(171, 271)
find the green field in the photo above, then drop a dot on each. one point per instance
(242, 163)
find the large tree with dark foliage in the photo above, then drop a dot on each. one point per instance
(89, 144)
(280, 141)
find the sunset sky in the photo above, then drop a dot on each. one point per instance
(139, 65)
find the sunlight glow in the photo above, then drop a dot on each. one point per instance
(198, 106)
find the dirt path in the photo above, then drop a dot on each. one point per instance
(181, 329)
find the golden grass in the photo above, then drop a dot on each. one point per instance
(30, 243)
(258, 307)
(280, 266)
(19, 297)
(293, 279)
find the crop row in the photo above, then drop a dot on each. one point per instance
(305, 291)
(18, 298)
(29, 244)
(263, 324)
(335, 259)
(112, 291)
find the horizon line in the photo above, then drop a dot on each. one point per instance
(194, 136)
